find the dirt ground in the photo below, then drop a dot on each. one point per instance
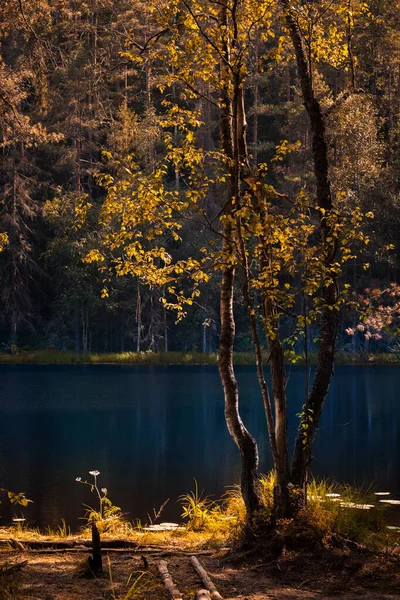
(293, 576)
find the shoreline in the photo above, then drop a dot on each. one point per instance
(58, 357)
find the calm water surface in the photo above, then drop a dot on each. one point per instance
(150, 430)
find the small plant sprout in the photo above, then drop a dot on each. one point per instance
(101, 494)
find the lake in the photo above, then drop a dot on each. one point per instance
(150, 430)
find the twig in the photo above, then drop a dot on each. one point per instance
(168, 582)
(214, 594)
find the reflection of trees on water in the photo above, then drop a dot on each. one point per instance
(150, 430)
(366, 448)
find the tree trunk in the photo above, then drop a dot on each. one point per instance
(138, 319)
(76, 327)
(204, 338)
(241, 436)
(231, 139)
(330, 315)
(13, 336)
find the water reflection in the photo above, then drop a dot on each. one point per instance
(150, 430)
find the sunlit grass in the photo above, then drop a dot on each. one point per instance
(137, 582)
(332, 512)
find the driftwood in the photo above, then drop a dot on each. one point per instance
(214, 594)
(6, 570)
(203, 595)
(168, 582)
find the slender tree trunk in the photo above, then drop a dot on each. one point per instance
(256, 99)
(282, 506)
(13, 336)
(76, 327)
(245, 442)
(241, 436)
(165, 326)
(330, 314)
(138, 319)
(204, 338)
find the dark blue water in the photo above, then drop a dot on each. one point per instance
(150, 430)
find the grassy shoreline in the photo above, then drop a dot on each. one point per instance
(58, 357)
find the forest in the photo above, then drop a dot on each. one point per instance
(98, 97)
(218, 178)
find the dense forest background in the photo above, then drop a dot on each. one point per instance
(70, 92)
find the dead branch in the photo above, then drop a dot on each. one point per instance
(214, 594)
(168, 582)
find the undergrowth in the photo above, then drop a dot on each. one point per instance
(137, 582)
(333, 512)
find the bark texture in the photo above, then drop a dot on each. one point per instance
(231, 140)
(330, 314)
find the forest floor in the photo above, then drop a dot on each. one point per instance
(56, 574)
(58, 357)
(293, 576)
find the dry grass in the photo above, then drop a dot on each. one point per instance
(332, 510)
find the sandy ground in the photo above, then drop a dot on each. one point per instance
(293, 576)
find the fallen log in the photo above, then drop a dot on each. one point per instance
(168, 581)
(134, 550)
(71, 543)
(105, 543)
(214, 594)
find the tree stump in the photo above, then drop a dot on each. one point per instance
(95, 561)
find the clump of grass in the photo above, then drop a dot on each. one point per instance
(63, 531)
(196, 508)
(343, 510)
(332, 512)
(137, 582)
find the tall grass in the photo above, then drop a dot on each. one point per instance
(137, 582)
(331, 510)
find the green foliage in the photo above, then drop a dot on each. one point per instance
(16, 498)
(196, 508)
(109, 518)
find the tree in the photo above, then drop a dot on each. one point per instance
(288, 252)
